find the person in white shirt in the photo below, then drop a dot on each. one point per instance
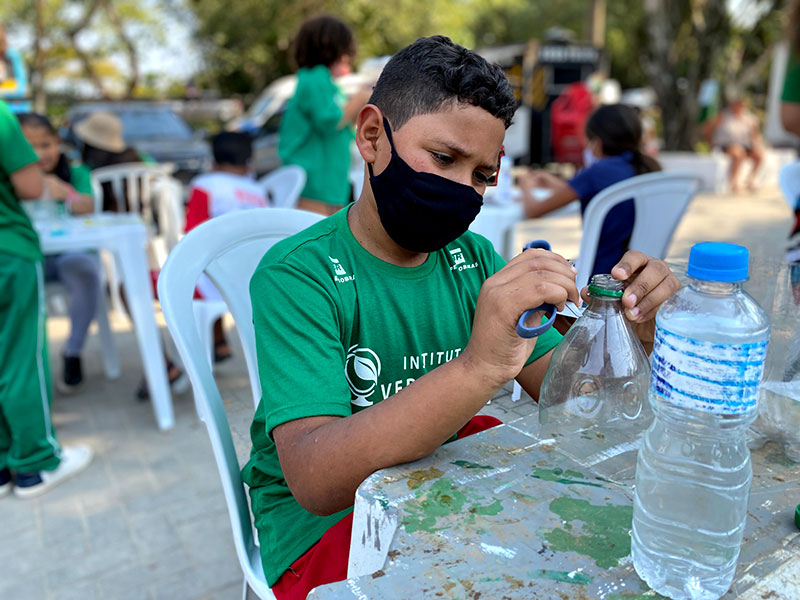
(227, 188)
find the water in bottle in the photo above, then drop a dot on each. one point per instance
(599, 373)
(693, 471)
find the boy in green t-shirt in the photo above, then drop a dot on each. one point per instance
(382, 330)
(28, 445)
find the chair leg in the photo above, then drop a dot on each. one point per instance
(516, 393)
(110, 357)
(112, 276)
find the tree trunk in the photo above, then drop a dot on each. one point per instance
(684, 41)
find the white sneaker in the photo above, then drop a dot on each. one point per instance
(74, 459)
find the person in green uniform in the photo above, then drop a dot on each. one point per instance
(382, 330)
(316, 129)
(31, 459)
(69, 184)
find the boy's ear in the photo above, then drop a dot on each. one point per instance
(369, 125)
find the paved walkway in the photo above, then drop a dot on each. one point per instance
(147, 520)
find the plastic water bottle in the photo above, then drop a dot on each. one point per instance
(599, 373)
(693, 472)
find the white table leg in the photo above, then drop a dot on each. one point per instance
(110, 357)
(131, 260)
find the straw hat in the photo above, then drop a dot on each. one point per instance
(102, 130)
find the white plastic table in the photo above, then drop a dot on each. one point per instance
(125, 236)
(507, 513)
(496, 220)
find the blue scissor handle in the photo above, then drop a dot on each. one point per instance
(549, 309)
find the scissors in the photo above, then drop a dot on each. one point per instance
(549, 310)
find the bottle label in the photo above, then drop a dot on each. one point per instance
(717, 378)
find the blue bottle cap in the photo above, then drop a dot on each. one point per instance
(718, 261)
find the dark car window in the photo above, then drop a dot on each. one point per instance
(143, 124)
(272, 124)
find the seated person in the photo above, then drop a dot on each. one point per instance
(382, 330)
(71, 184)
(614, 135)
(735, 132)
(227, 188)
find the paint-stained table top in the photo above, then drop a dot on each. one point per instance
(505, 514)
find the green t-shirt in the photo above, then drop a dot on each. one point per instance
(338, 330)
(791, 85)
(81, 178)
(310, 138)
(17, 235)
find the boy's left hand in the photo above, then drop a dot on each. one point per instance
(650, 283)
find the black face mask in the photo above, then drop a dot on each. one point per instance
(421, 212)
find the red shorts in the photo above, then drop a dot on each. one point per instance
(326, 561)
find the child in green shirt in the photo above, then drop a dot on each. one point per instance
(382, 330)
(316, 129)
(31, 460)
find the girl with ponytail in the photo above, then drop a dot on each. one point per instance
(614, 136)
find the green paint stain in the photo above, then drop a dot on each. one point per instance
(420, 476)
(604, 536)
(559, 475)
(491, 509)
(562, 576)
(442, 499)
(470, 465)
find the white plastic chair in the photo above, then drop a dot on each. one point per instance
(142, 184)
(284, 185)
(660, 199)
(227, 249)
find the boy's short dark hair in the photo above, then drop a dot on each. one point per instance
(322, 41)
(432, 72)
(232, 148)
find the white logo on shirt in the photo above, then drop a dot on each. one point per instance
(458, 257)
(459, 262)
(339, 274)
(362, 370)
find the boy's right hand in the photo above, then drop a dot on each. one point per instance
(495, 351)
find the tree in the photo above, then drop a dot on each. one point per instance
(83, 41)
(688, 41)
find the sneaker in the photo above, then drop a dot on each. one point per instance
(5, 482)
(74, 459)
(72, 376)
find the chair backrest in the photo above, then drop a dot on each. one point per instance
(284, 185)
(134, 183)
(228, 249)
(660, 199)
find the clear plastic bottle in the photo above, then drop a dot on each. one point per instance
(779, 402)
(599, 373)
(693, 472)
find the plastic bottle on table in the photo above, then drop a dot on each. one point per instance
(599, 373)
(693, 472)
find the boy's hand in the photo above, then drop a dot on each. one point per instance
(533, 278)
(650, 283)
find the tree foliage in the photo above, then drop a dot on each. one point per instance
(91, 42)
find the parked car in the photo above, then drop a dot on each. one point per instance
(152, 128)
(263, 119)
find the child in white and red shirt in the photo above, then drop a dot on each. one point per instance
(227, 188)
